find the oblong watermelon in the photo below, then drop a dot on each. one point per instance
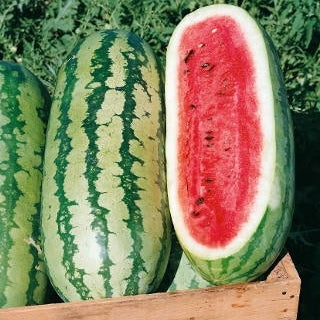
(229, 146)
(105, 217)
(24, 107)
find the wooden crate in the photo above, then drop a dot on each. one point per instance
(275, 298)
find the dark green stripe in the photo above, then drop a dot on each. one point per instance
(43, 108)
(252, 246)
(129, 181)
(166, 239)
(13, 78)
(37, 261)
(175, 255)
(42, 111)
(164, 253)
(73, 274)
(194, 284)
(267, 255)
(100, 65)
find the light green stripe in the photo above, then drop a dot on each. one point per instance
(109, 183)
(146, 129)
(52, 246)
(77, 183)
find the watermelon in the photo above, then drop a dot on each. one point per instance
(24, 105)
(180, 274)
(229, 146)
(187, 277)
(105, 217)
(173, 263)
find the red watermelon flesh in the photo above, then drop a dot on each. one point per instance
(220, 136)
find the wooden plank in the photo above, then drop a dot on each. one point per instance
(285, 269)
(275, 298)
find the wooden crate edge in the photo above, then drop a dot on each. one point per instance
(284, 269)
(277, 296)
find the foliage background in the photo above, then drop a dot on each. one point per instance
(40, 33)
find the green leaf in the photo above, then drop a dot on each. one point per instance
(297, 25)
(310, 26)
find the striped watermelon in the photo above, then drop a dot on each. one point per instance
(173, 263)
(187, 277)
(229, 147)
(24, 105)
(180, 274)
(105, 218)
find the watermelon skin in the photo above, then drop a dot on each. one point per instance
(24, 106)
(180, 274)
(263, 246)
(173, 264)
(105, 218)
(187, 277)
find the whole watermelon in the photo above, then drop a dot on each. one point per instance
(105, 218)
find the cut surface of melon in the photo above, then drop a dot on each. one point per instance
(220, 130)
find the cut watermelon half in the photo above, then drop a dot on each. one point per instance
(229, 143)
